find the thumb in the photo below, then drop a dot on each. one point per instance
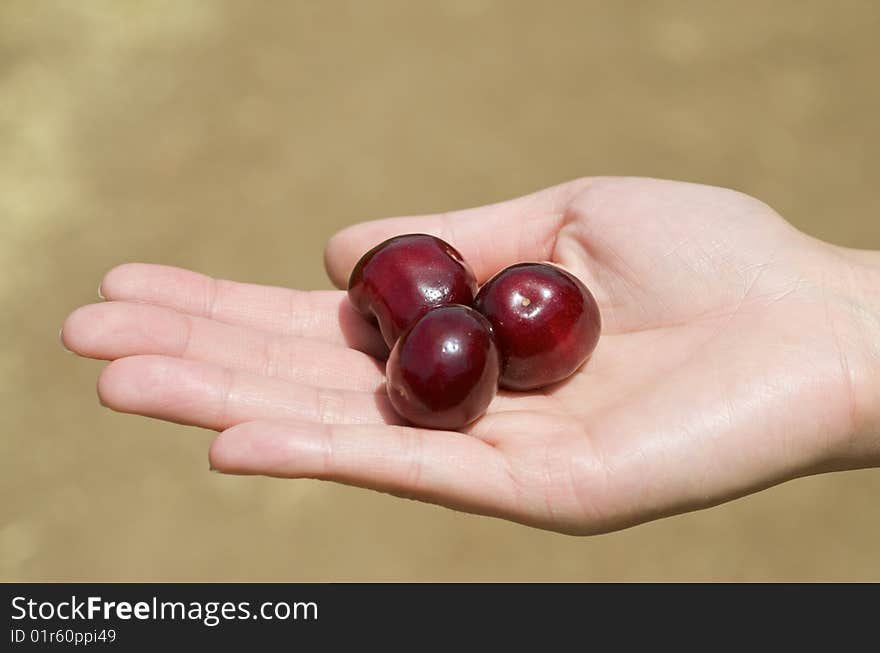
(489, 237)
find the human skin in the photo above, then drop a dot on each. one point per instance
(736, 353)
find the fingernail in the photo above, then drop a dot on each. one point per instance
(100, 296)
(61, 340)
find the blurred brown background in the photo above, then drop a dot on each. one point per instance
(234, 138)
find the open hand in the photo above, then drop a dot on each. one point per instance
(736, 353)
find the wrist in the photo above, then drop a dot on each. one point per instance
(861, 290)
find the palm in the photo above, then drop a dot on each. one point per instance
(693, 396)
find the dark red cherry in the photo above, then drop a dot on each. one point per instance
(397, 281)
(545, 321)
(443, 372)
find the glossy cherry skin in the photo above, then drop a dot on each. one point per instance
(443, 372)
(398, 280)
(545, 321)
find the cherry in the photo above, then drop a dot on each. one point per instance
(398, 280)
(545, 321)
(443, 372)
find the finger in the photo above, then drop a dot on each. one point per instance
(489, 237)
(119, 329)
(442, 467)
(210, 396)
(318, 314)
